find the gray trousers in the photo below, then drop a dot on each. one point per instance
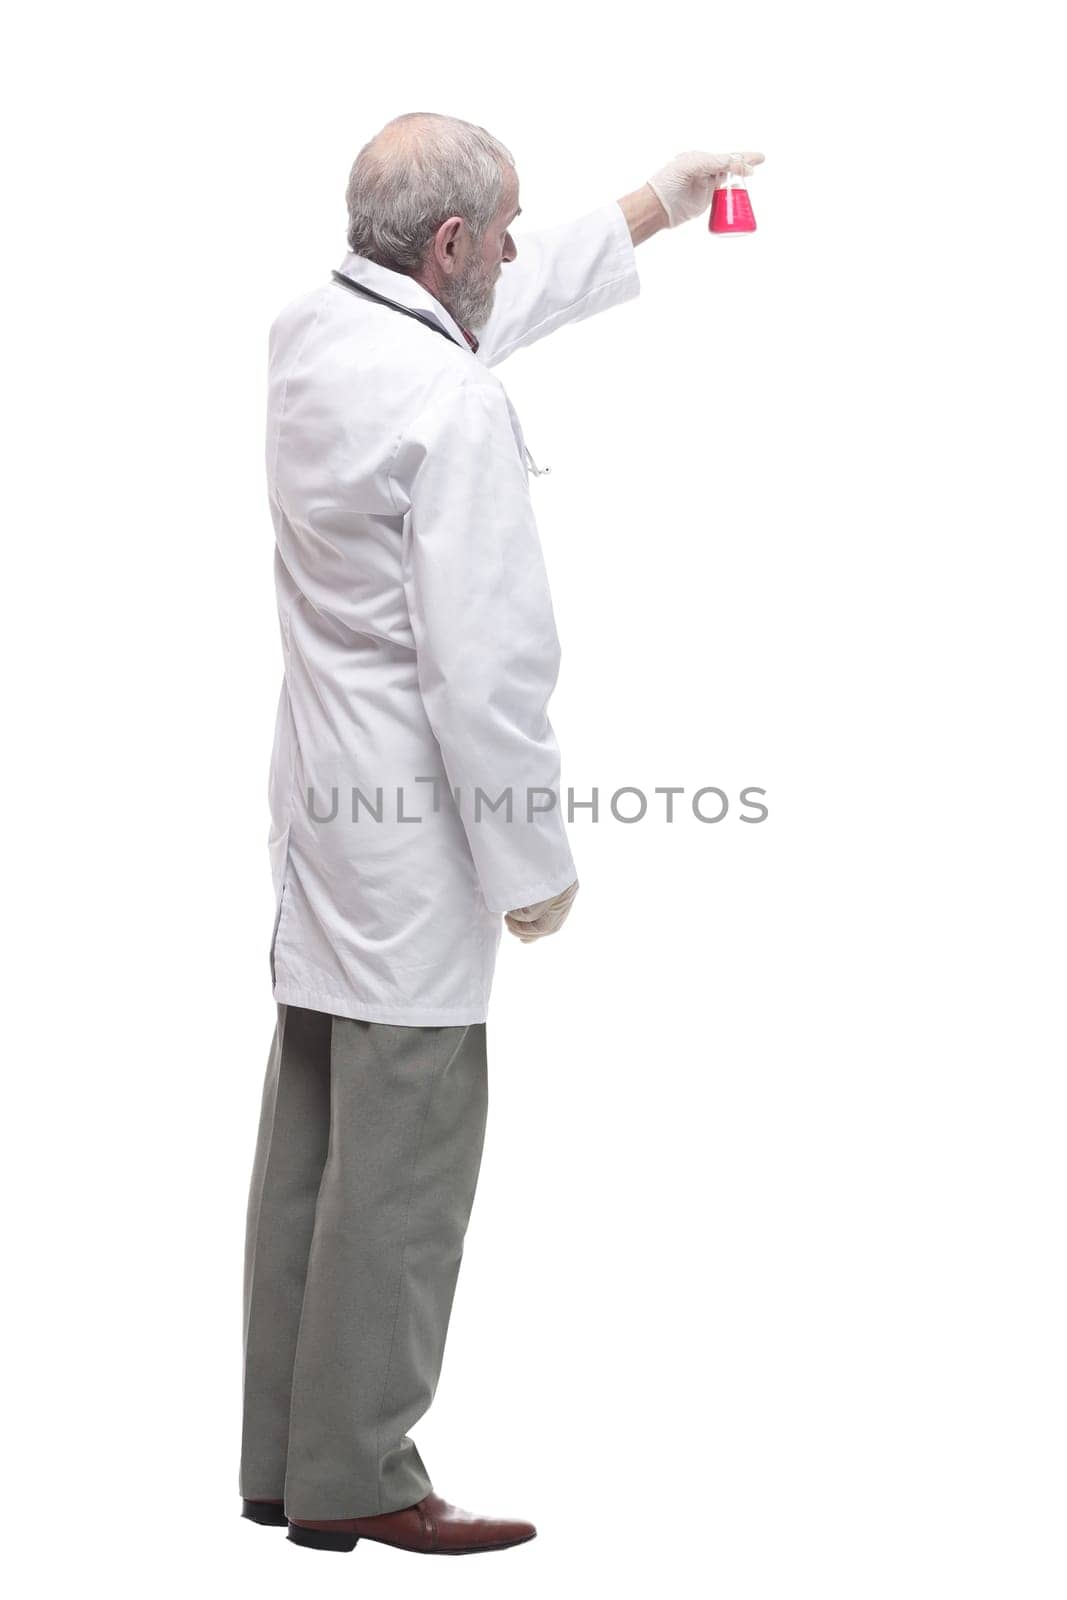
(370, 1142)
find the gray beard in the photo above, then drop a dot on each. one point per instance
(470, 301)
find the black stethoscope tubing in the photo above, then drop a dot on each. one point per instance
(427, 318)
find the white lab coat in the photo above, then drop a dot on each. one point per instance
(417, 634)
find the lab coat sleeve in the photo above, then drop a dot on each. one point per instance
(485, 637)
(559, 275)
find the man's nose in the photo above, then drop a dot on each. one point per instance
(509, 252)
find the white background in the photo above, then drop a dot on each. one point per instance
(763, 1294)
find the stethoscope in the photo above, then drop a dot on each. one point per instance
(428, 320)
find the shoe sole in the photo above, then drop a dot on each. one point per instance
(321, 1539)
(265, 1513)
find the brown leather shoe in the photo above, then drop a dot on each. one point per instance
(432, 1527)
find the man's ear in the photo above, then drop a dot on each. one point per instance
(446, 238)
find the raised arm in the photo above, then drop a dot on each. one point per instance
(564, 273)
(560, 274)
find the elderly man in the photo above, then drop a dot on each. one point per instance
(414, 800)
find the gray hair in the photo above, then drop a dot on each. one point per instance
(419, 170)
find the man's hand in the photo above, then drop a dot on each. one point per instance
(547, 916)
(683, 187)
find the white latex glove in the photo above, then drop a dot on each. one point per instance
(683, 187)
(547, 916)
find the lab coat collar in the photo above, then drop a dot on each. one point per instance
(406, 291)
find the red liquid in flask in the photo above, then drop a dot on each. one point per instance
(731, 211)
